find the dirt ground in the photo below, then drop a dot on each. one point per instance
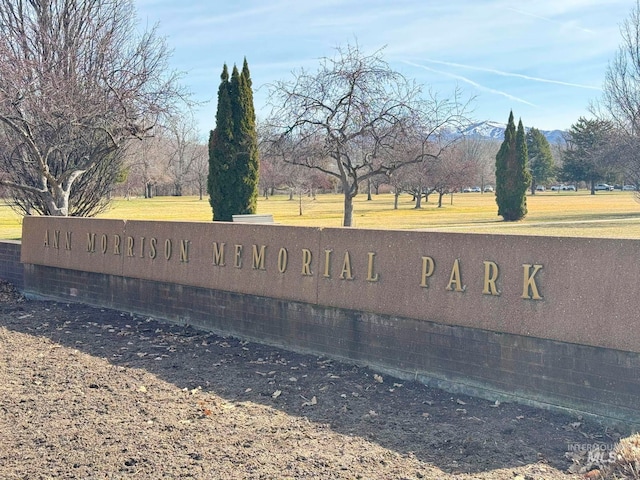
(94, 393)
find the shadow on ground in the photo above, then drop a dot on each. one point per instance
(457, 434)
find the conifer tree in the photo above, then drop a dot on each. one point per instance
(247, 143)
(220, 153)
(512, 177)
(233, 148)
(541, 163)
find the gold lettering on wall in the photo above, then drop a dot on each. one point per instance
(184, 251)
(91, 242)
(306, 262)
(491, 272)
(530, 287)
(327, 263)
(346, 273)
(258, 257)
(116, 244)
(455, 280)
(493, 279)
(237, 259)
(428, 265)
(153, 251)
(371, 276)
(283, 259)
(218, 254)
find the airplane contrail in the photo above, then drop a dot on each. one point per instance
(509, 74)
(550, 20)
(475, 84)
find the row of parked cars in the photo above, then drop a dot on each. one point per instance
(488, 188)
(609, 188)
(562, 188)
(600, 187)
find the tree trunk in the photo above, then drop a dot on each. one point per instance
(348, 210)
(440, 195)
(396, 196)
(368, 189)
(58, 202)
(56, 211)
(419, 199)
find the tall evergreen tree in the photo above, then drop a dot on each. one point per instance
(221, 152)
(247, 142)
(512, 177)
(233, 148)
(541, 164)
(589, 152)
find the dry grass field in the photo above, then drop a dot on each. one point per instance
(606, 214)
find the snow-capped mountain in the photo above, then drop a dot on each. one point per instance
(495, 131)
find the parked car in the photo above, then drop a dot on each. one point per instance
(488, 188)
(540, 188)
(603, 187)
(476, 189)
(557, 188)
(629, 188)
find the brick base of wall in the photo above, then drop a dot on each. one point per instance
(11, 269)
(592, 381)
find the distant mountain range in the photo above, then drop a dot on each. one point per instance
(495, 131)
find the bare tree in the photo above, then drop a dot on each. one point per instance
(478, 155)
(273, 168)
(620, 101)
(200, 168)
(76, 83)
(452, 169)
(181, 141)
(621, 89)
(350, 119)
(146, 166)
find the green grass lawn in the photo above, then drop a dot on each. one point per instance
(606, 214)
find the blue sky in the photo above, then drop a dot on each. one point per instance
(544, 59)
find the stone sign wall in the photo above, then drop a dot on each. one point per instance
(567, 289)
